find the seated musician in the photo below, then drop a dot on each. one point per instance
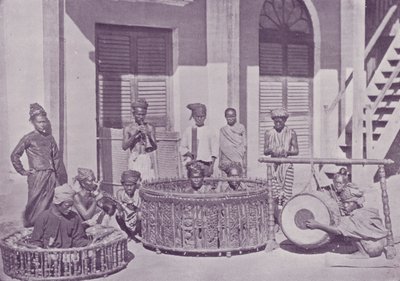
(362, 225)
(86, 195)
(128, 215)
(196, 171)
(59, 227)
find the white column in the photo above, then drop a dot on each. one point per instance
(223, 48)
(4, 139)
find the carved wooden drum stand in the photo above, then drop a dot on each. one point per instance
(100, 259)
(176, 219)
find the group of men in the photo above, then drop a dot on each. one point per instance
(49, 208)
(199, 144)
(60, 212)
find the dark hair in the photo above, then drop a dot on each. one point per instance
(230, 109)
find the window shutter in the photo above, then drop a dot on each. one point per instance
(155, 92)
(271, 59)
(298, 60)
(113, 52)
(298, 92)
(271, 97)
(152, 54)
(301, 124)
(114, 100)
(298, 95)
(131, 63)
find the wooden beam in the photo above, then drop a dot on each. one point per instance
(379, 30)
(336, 161)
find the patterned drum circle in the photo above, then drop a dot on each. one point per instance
(100, 259)
(177, 219)
(302, 207)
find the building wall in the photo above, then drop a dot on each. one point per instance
(22, 54)
(190, 76)
(196, 78)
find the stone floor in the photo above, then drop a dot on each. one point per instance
(286, 263)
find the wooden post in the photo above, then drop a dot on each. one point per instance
(359, 85)
(271, 242)
(390, 250)
(369, 129)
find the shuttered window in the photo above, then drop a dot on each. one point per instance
(131, 63)
(286, 53)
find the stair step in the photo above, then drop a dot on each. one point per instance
(376, 124)
(387, 74)
(375, 93)
(393, 62)
(383, 117)
(347, 149)
(386, 98)
(384, 110)
(395, 85)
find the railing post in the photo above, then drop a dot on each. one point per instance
(390, 250)
(369, 129)
(271, 242)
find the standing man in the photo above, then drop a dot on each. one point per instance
(281, 141)
(44, 164)
(139, 138)
(232, 142)
(198, 141)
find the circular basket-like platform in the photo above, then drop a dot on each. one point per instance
(213, 220)
(99, 259)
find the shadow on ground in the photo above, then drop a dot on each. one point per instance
(337, 245)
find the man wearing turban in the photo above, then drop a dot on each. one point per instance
(45, 164)
(128, 217)
(59, 226)
(198, 141)
(139, 138)
(362, 225)
(281, 141)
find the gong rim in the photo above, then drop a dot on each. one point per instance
(322, 238)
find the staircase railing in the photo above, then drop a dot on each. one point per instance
(329, 109)
(372, 42)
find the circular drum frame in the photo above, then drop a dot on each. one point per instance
(326, 237)
(176, 220)
(98, 260)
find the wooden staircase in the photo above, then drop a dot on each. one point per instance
(382, 109)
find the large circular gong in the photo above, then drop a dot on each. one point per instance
(303, 207)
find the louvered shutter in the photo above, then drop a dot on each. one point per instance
(285, 81)
(114, 100)
(271, 59)
(131, 63)
(114, 84)
(153, 75)
(298, 105)
(271, 90)
(298, 61)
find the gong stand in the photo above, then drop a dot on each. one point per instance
(390, 250)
